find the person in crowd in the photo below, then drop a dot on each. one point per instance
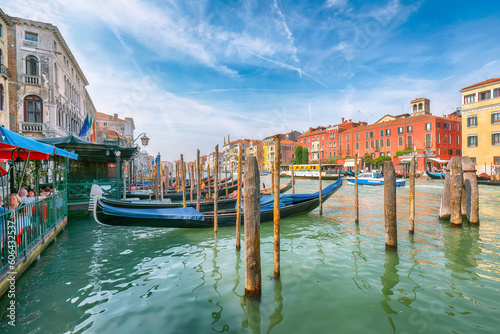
(13, 202)
(23, 194)
(32, 194)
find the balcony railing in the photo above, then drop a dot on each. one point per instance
(4, 71)
(31, 79)
(32, 127)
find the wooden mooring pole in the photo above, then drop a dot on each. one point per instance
(412, 196)
(356, 194)
(391, 231)
(216, 188)
(456, 191)
(276, 190)
(253, 279)
(238, 205)
(293, 181)
(198, 185)
(183, 178)
(208, 182)
(320, 190)
(225, 185)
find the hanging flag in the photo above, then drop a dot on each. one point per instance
(85, 127)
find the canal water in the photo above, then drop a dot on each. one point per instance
(336, 277)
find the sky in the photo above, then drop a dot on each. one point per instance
(192, 73)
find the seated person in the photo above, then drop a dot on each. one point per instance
(32, 193)
(23, 194)
(13, 202)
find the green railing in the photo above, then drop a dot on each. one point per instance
(21, 227)
(79, 191)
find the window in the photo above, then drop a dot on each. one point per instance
(438, 138)
(388, 142)
(471, 121)
(340, 149)
(409, 142)
(469, 98)
(458, 140)
(381, 143)
(388, 154)
(381, 133)
(400, 141)
(32, 65)
(33, 109)
(428, 140)
(428, 126)
(1, 30)
(496, 92)
(340, 139)
(357, 136)
(322, 137)
(458, 127)
(366, 135)
(459, 153)
(495, 138)
(449, 139)
(31, 36)
(400, 130)
(484, 95)
(445, 139)
(473, 160)
(372, 144)
(357, 146)
(496, 160)
(450, 151)
(366, 144)
(409, 129)
(472, 141)
(382, 154)
(331, 135)
(387, 132)
(495, 118)
(301, 140)
(348, 149)
(438, 125)
(372, 134)
(348, 138)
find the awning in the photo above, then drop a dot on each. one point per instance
(349, 164)
(439, 160)
(405, 161)
(10, 142)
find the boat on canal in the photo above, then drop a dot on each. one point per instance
(328, 171)
(436, 176)
(373, 179)
(290, 205)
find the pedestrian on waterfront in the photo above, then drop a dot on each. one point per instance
(23, 194)
(32, 193)
(13, 202)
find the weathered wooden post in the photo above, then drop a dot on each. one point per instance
(191, 179)
(445, 210)
(253, 279)
(412, 196)
(208, 182)
(472, 192)
(456, 191)
(276, 190)
(198, 186)
(183, 178)
(238, 207)
(391, 229)
(320, 191)
(293, 181)
(356, 194)
(216, 188)
(124, 179)
(272, 174)
(225, 173)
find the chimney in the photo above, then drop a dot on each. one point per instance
(115, 116)
(342, 119)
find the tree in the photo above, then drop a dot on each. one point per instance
(380, 160)
(298, 154)
(305, 156)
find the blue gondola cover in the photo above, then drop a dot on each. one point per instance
(161, 213)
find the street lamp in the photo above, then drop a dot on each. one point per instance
(144, 139)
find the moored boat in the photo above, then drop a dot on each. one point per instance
(373, 179)
(290, 205)
(436, 176)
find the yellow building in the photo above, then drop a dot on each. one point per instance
(481, 124)
(5, 73)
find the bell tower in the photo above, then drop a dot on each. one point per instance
(420, 106)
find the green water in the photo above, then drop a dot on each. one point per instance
(336, 276)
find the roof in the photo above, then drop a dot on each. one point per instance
(319, 129)
(482, 83)
(288, 142)
(90, 151)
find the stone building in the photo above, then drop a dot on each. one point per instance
(50, 95)
(5, 73)
(113, 130)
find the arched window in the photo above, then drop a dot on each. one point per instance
(33, 109)
(377, 147)
(428, 140)
(409, 142)
(381, 143)
(414, 107)
(2, 98)
(56, 73)
(388, 142)
(372, 144)
(32, 65)
(400, 141)
(1, 58)
(366, 144)
(420, 106)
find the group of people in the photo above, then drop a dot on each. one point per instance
(24, 196)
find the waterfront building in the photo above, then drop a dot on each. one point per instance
(287, 141)
(481, 124)
(51, 99)
(111, 129)
(5, 73)
(249, 147)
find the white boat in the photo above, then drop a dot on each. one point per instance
(373, 179)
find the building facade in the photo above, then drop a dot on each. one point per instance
(5, 73)
(111, 129)
(481, 124)
(50, 96)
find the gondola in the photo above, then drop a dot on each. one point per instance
(290, 205)
(488, 182)
(284, 188)
(177, 196)
(435, 176)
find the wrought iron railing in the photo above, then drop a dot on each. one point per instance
(22, 227)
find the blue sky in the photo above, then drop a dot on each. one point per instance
(192, 72)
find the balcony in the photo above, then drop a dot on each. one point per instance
(4, 71)
(31, 79)
(31, 127)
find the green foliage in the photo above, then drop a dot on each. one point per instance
(305, 156)
(298, 154)
(332, 160)
(380, 161)
(405, 151)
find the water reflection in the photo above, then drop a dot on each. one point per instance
(358, 256)
(461, 248)
(252, 314)
(413, 251)
(389, 280)
(277, 316)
